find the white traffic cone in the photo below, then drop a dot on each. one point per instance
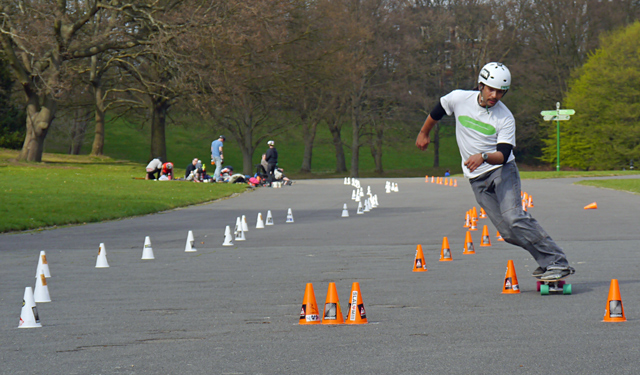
(353, 194)
(41, 291)
(227, 237)
(147, 250)
(359, 211)
(259, 222)
(269, 218)
(29, 315)
(289, 216)
(345, 211)
(367, 208)
(375, 201)
(395, 188)
(188, 247)
(101, 262)
(361, 192)
(43, 265)
(369, 190)
(245, 226)
(238, 232)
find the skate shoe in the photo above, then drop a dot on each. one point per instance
(538, 272)
(553, 274)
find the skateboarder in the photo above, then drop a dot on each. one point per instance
(486, 135)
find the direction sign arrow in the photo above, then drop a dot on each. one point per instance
(557, 118)
(549, 113)
(567, 112)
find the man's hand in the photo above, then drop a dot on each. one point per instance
(423, 140)
(474, 162)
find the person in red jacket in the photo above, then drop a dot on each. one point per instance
(167, 170)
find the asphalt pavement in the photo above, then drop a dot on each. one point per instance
(235, 310)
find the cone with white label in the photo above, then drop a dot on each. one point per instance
(367, 206)
(332, 311)
(309, 313)
(188, 247)
(345, 211)
(29, 315)
(499, 236)
(419, 263)
(356, 313)
(147, 250)
(468, 244)
(269, 220)
(485, 241)
(614, 311)
(259, 222)
(101, 262)
(445, 252)
(41, 291)
(43, 265)
(359, 211)
(228, 239)
(483, 214)
(238, 232)
(289, 216)
(510, 285)
(245, 226)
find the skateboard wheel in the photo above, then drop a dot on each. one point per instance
(566, 289)
(544, 290)
(561, 283)
(538, 283)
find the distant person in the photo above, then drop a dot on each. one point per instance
(217, 156)
(486, 136)
(191, 168)
(167, 170)
(447, 173)
(271, 157)
(153, 169)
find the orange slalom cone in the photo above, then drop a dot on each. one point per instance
(467, 220)
(455, 183)
(485, 241)
(432, 179)
(498, 236)
(426, 178)
(474, 212)
(525, 196)
(468, 244)
(332, 310)
(418, 264)
(530, 202)
(524, 205)
(356, 312)
(446, 181)
(445, 252)
(614, 311)
(483, 214)
(591, 206)
(309, 313)
(510, 285)
(474, 224)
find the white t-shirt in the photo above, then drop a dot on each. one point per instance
(479, 129)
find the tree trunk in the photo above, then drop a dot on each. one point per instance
(436, 145)
(98, 140)
(38, 121)
(158, 121)
(376, 148)
(355, 144)
(308, 136)
(341, 163)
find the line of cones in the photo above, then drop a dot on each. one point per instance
(332, 313)
(446, 181)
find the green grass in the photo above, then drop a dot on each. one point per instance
(573, 174)
(78, 189)
(630, 185)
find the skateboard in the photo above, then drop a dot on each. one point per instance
(556, 286)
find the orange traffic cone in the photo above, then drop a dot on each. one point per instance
(524, 205)
(426, 178)
(530, 202)
(418, 264)
(446, 181)
(525, 196)
(432, 179)
(614, 311)
(467, 220)
(485, 241)
(468, 244)
(474, 223)
(474, 213)
(499, 237)
(309, 313)
(483, 214)
(445, 252)
(332, 310)
(356, 312)
(510, 285)
(591, 206)
(455, 183)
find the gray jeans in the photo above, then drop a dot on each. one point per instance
(216, 173)
(498, 192)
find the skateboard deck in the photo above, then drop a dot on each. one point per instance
(546, 287)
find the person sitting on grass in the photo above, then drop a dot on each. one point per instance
(153, 169)
(167, 170)
(191, 168)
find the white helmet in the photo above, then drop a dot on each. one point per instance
(495, 75)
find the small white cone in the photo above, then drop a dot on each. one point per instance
(345, 211)
(361, 192)
(238, 232)
(369, 190)
(245, 226)
(359, 212)
(29, 315)
(41, 291)
(375, 201)
(101, 262)
(259, 222)
(357, 198)
(43, 265)
(395, 187)
(366, 206)
(269, 218)
(188, 247)
(289, 216)
(147, 250)
(387, 189)
(353, 194)
(227, 237)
